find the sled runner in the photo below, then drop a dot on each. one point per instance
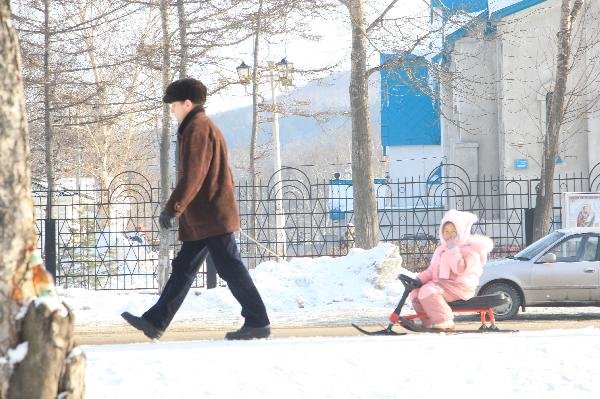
(483, 305)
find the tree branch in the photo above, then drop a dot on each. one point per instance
(380, 18)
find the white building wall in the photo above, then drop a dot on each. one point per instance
(414, 161)
(592, 32)
(496, 96)
(473, 123)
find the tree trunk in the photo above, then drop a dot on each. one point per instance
(47, 114)
(365, 204)
(545, 194)
(182, 39)
(17, 237)
(254, 140)
(38, 374)
(165, 148)
(49, 337)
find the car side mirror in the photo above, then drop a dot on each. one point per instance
(547, 258)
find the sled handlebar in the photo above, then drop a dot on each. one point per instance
(409, 282)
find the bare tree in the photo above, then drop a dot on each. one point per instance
(165, 144)
(100, 87)
(365, 203)
(544, 199)
(183, 40)
(51, 345)
(50, 153)
(254, 133)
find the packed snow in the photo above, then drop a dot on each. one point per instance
(361, 286)
(551, 364)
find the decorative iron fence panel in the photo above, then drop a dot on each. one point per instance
(108, 239)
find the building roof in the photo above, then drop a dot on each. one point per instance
(458, 15)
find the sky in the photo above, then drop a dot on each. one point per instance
(360, 287)
(332, 50)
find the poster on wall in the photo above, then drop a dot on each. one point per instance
(581, 210)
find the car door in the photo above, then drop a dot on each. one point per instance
(574, 275)
(595, 263)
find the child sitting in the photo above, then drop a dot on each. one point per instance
(454, 270)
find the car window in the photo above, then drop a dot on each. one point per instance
(566, 251)
(590, 249)
(533, 249)
(576, 249)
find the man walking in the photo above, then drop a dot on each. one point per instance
(203, 201)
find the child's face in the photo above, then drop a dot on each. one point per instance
(449, 232)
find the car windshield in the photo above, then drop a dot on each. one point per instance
(532, 250)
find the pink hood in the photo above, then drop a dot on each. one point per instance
(463, 222)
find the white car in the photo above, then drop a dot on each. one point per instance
(560, 269)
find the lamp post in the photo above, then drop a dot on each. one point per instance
(280, 74)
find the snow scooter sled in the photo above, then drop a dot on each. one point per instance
(483, 305)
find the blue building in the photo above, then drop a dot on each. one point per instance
(410, 117)
(489, 113)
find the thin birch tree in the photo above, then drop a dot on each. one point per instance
(545, 193)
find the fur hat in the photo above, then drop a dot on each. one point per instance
(185, 89)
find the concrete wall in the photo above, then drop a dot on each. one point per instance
(474, 109)
(495, 95)
(413, 161)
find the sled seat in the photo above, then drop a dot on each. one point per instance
(483, 305)
(480, 302)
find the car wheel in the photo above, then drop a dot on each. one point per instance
(510, 309)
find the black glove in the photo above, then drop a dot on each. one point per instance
(165, 220)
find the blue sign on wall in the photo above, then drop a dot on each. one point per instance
(521, 164)
(409, 114)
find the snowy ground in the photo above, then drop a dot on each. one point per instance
(551, 364)
(329, 292)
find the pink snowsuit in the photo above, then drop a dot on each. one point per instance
(453, 272)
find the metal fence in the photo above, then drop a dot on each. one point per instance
(108, 239)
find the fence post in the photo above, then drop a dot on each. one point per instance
(50, 246)
(529, 225)
(211, 273)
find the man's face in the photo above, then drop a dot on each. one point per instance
(180, 109)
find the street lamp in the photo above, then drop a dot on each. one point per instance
(285, 69)
(280, 74)
(243, 71)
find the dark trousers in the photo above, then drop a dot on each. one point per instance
(227, 261)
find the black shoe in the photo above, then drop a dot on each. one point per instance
(143, 325)
(249, 333)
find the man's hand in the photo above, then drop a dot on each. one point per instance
(165, 220)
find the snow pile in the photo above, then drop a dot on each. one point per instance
(53, 303)
(359, 277)
(303, 291)
(15, 355)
